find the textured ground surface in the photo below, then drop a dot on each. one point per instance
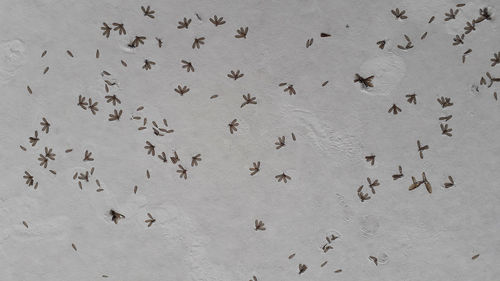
(204, 226)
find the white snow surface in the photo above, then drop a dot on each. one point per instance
(204, 228)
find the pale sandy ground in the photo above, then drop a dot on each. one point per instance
(204, 227)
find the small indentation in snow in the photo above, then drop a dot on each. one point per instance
(388, 70)
(12, 56)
